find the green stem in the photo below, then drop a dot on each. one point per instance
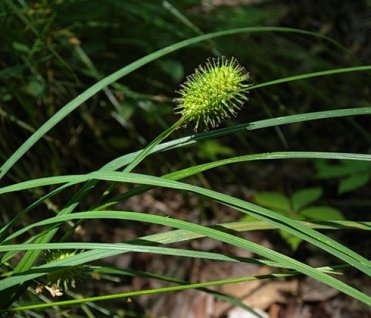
(137, 160)
(153, 291)
(143, 154)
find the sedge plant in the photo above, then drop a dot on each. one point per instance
(215, 92)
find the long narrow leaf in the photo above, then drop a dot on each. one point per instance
(283, 222)
(123, 247)
(149, 292)
(178, 236)
(260, 124)
(187, 172)
(209, 232)
(80, 99)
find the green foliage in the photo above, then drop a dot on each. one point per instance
(352, 175)
(173, 68)
(85, 84)
(298, 206)
(213, 149)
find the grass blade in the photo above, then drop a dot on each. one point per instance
(80, 99)
(209, 232)
(149, 291)
(260, 124)
(263, 214)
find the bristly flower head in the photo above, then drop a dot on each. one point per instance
(213, 93)
(64, 278)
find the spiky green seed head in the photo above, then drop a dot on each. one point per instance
(64, 278)
(213, 93)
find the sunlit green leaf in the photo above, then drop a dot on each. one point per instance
(303, 198)
(273, 200)
(292, 240)
(353, 182)
(321, 213)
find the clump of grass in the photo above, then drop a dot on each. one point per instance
(211, 95)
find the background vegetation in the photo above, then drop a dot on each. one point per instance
(53, 51)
